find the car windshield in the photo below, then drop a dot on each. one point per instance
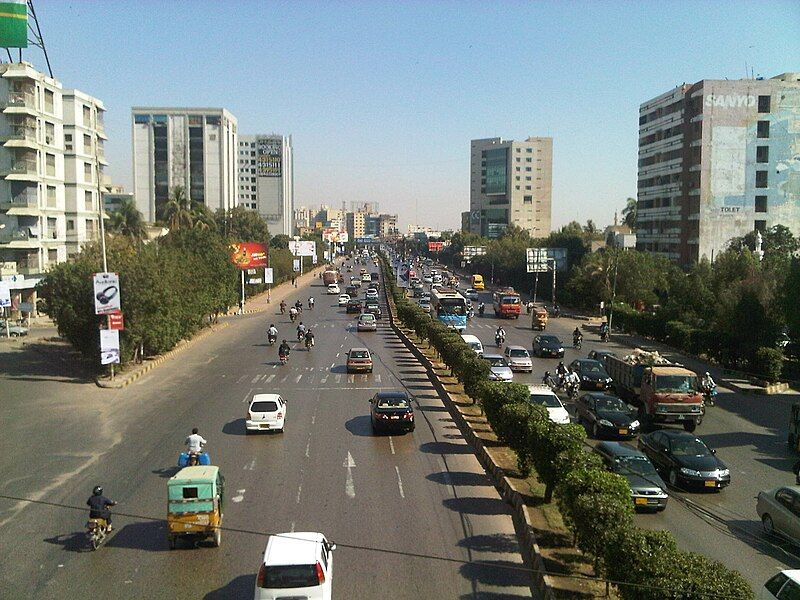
(264, 406)
(550, 340)
(510, 300)
(638, 465)
(590, 368)
(675, 383)
(367, 317)
(496, 361)
(359, 354)
(611, 404)
(518, 353)
(547, 400)
(694, 447)
(392, 403)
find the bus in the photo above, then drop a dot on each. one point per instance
(450, 308)
(477, 282)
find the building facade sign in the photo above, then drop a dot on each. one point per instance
(269, 154)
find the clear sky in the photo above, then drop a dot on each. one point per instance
(383, 98)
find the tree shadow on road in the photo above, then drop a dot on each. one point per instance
(496, 542)
(445, 448)
(167, 472)
(142, 535)
(239, 587)
(476, 506)
(497, 572)
(43, 361)
(459, 478)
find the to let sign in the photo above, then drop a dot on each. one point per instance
(116, 322)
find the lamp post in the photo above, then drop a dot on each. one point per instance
(614, 285)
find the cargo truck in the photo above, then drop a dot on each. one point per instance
(664, 392)
(330, 276)
(506, 304)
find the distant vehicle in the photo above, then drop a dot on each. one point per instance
(427, 279)
(477, 282)
(296, 564)
(782, 586)
(425, 305)
(330, 276)
(606, 416)
(539, 318)
(499, 369)
(449, 307)
(13, 330)
(266, 412)
(647, 487)
(506, 303)
(374, 275)
(593, 375)
(544, 396)
(778, 510)
(472, 294)
(344, 299)
(372, 307)
(333, 288)
(548, 345)
(372, 294)
(354, 305)
(473, 342)
(518, 359)
(365, 278)
(686, 460)
(367, 322)
(359, 359)
(600, 355)
(391, 411)
(351, 291)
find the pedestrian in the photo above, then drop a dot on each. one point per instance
(294, 281)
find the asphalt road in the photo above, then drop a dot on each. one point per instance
(414, 516)
(749, 433)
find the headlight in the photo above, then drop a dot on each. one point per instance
(690, 472)
(585, 378)
(724, 472)
(605, 423)
(634, 424)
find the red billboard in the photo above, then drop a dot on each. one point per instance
(249, 255)
(435, 246)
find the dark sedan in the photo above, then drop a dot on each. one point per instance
(606, 416)
(647, 488)
(354, 305)
(391, 411)
(548, 345)
(601, 355)
(685, 459)
(592, 373)
(372, 307)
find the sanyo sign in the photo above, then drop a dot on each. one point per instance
(730, 100)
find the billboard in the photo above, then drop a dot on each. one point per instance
(106, 293)
(269, 152)
(303, 247)
(472, 251)
(14, 24)
(540, 260)
(331, 234)
(435, 246)
(109, 346)
(249, 255)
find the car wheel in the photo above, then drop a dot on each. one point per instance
(595, 431)
(14, 334)
(673, 477)
(767, 524)
(217, 537)
(172, 540)
(690, 426)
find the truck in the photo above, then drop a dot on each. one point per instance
(506, 303)
(330, 276)
(663, 391)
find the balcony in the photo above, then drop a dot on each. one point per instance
(21, 136)
(20, 103)
(21, 237)
(21, 170)
(24, 203)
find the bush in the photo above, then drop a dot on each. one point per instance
(768, 363)
(679, 335)
(549, 441)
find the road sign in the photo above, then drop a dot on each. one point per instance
(303, 248)
(472, 251)
(116, 321)
(536, 260)
(268, 275)
(254, 280)
(5, 294)
(106, 293)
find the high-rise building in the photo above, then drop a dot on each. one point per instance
(304, 217)
(717, 159)
(511, 184)
(266, 179)
(52, 144)
(387, 225)
(356, 224)
(193, 148)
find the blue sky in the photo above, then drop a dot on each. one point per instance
(382, 99)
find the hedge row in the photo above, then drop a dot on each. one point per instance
(595, 504)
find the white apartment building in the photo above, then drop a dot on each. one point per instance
(193, 148)
(45, 182)
(266, 179)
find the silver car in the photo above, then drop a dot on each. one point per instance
(13, 330)
(499, 369)
(779, 510)
(518, 359)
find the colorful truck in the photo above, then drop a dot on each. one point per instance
(506, 303)
(664, 392)
(330, 276)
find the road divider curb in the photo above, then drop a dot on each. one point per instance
(543, 584)
(127, 378)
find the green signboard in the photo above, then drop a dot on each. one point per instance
(14, 24)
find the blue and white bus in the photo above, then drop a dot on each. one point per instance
(450, 308)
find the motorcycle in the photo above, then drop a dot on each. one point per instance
(193, 459)
(272, 339)
(300, 335)
(309, 344)
(499, 340)
(292, 316)
(604, 336)
(577, 343)
(572, 391)
(284, 358)
(709, 396)
(96, 532)
(481, 310)
(283, 308)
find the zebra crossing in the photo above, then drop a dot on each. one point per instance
(318, 377)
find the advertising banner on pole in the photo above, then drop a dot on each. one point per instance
(116, 321)
(249, 255)
(5, 294)
(303, 248)
(109, 346)
(268, 275)
(314, 259)
(296, 265)
(107, 298)
(473, 251)
(435, 246)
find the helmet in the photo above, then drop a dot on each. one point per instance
(547, 373)
(97, 491)
(561, 363)
(272, 324)
(708, 374)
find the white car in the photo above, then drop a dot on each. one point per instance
(542, 394)
(344, 299)
(498, 368)
(333, 288)
(267, 412)
(518, 359)
(472, 294)
(785, 584)
(372, 294)
(474, 343)
(425, 305)
(427, 279)
(365, 278)
(297, 564)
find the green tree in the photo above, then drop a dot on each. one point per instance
(279, 241)
(128, 221)
(177, 212)
(240, 224)
(629, 213)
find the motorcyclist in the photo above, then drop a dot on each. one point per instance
(573, 382)
(283, 350)
(309, 338)
(529, 307)
(481, 308)
(311, 303)
(298, 305)
(301, 331)
(556, 310)
(194, 444)
(272, 334)
(283, 307)
(98, 506)
(292, 314)
(548, 380)
(500, 335)
(561, 374)
(577, 337)
(708, 387)
(604, 330)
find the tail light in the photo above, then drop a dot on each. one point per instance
(320, 573)
(279, 415)
(262, 573)
(409, 416)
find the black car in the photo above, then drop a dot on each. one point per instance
(548, 345)
(685, 459)
(354, 305)
(605, 416)
(391, 411)
(601, 355)
(592, 373)
(647, 488)
(372, 307)
(351, 291)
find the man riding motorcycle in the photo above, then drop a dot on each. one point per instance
(604, 331)
(283, 351)
(548, 380)
(500, 336)
(272, 334)
(561, 374)
(577, 338)
(292, 314)
(309, 339)
(708, 388)
(311, 303)
(194, 446)
(301, 331)
(481, 308)
(98, 506)
(572, 383)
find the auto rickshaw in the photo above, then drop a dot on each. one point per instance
(539, 318)
(194, 504)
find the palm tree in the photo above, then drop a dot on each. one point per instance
(128, 221)
(203, 217)
(629, 213)
(177, 212)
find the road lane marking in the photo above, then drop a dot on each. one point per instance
(378, 378)
(252, 465)
(241, 379)
(338, 378)
(299, 489)
(333, 364)
(311, 381)
(239, 496)
(399, 482)
(271, 377)
(351, 379)
(313, 418)
(247, 396)
(285, 377)
(391, 444)
(308, 446)
(323, 380)
(338, 354)
(256, 378)
(349, 486)
(292, 528)
(298, 378)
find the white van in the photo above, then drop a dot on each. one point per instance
(296, 565)
(473, 342)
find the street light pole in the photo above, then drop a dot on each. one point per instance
(614, 286)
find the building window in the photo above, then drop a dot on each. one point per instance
(52, 255)
(761, 179)
(49, 134)
(89, 228)
(87, 172)
(527, 178)
(517, 178)
(761, 204)
(518, 169)
(527, 199)
(70, 224)
(529, 160)
(518, 149)
(87, 116)
(87, 144)
(67, 141)
(763, 104)
(760, 226)
(763, 129)
(516, 187)
(527, 187)
(50, 163)
(212, 120)
(528, 149)
(88, 203)
(51, 196)
(762, 154)
(52, 233)
(527, 168)
(141, 119)
(518, 159)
